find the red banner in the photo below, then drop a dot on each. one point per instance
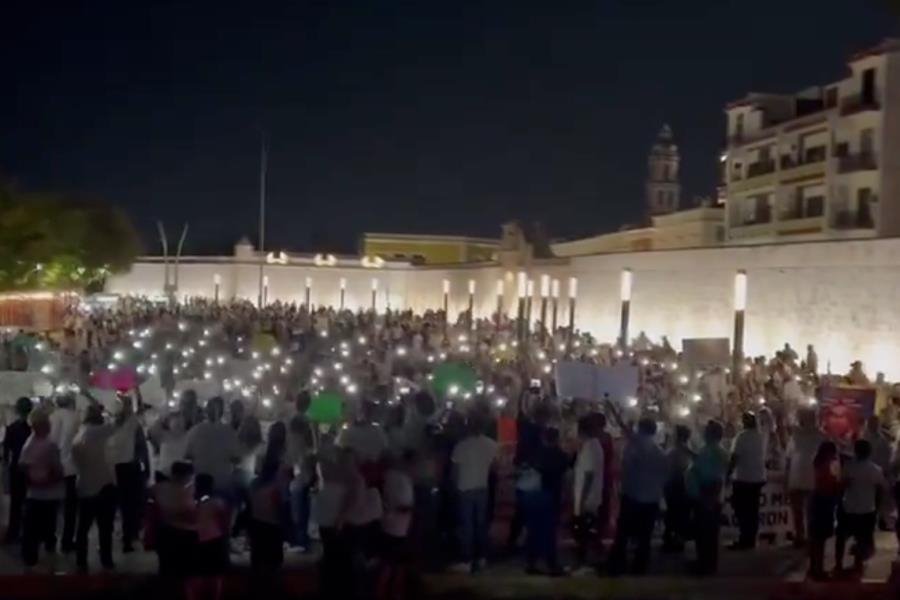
(844, 410)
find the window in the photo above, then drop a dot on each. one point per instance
(867, 142)
(867, 90)
(831, 97)
(739, 126)
(665, 171)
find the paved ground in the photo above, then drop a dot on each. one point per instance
(769, 572)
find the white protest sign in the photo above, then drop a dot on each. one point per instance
(775, 521)
(584, 380)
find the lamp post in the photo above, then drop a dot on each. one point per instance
(265, 290)
(471, 311)
(374, 294)
(740, 305)
(499, 301)
(528, 305)
(217, 282)
(573, 292)
(625, 296)
(554, 291)
(446, 303)
(545, 291)
(308, 293)
(522, 289)
(343, 283)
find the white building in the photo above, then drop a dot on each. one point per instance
(820, 163)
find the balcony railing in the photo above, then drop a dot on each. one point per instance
(760, 216)
(857, 162)
(813, 207)
(763, 167)
(853, 219)
(855, 104)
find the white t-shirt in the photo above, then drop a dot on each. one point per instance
(473, 457)
(214, 448)
(801, 452)
(589, 460)
(750, 450)
(63, 427)
(367, 441)
(861, 480)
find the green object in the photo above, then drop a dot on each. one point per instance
(326, 407)
(451, 374)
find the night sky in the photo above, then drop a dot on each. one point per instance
(430, 116)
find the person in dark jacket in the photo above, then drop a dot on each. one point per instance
(13, 440)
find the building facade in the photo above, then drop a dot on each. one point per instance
(662, 187)
(821, 163)
(429, 249)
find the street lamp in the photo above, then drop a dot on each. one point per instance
(545, 291)
(374, 294)
(529, 299)
(625, 296)
(740, 305)
(217, 282)
(471, 311)
(522, 289)
(554, 291)
(308, 290)
(343, 283)
(446, 298)
(573, 293)
(499, 301)
(265, 290)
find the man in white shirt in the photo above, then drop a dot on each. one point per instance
(96, 487)
(801, 451)
(588, 491)
(63, 427)
(864, 487)
(127, 452)
(214, 448)
(472, 459)
(748, 472)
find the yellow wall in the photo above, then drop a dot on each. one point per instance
(431, 251)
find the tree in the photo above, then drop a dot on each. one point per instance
(53, 241)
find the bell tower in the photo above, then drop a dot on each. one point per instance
(662, 188)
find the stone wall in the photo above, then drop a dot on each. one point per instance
(841, 296)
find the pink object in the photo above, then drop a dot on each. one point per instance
(121, 379)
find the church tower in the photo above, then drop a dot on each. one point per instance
(663, 189)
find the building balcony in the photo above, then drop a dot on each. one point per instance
(856, 162)
(763, 167)
(857, 104)
(811, 163)
(853, 219)
(801, 225)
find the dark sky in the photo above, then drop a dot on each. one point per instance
(421, 116)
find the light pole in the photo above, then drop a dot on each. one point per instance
(554, 291)
(740, 305)
(573, 292)
(265, 290)
(217, 281)
(499, 301)
(545, 291)
(522, 289)
(374, 294)
(528, 305)
(343, 283)
(446, 303)
(625, 297)
(471, 311)
(308, 290)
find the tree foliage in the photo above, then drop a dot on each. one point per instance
(53, 241)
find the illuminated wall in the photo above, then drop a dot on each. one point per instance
(840, 296)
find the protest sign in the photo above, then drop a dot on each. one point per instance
(844, 409)
(705, 353)
(775, 521)
(584, 380)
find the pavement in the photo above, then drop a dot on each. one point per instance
(776, 572)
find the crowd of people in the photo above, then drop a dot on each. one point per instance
(234, 458)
